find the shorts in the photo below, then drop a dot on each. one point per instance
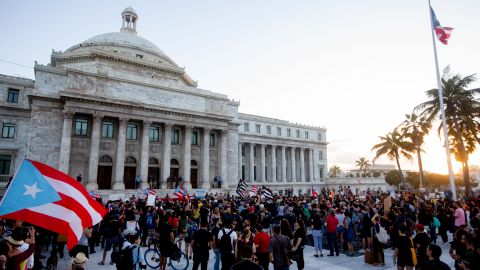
(110, 242)
(339, 229)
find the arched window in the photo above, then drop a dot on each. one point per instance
(152, 161)
(105, 159)
(193, 163)
(174, 162)
(130, 160)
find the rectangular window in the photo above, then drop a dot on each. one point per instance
(269, 130)
(257, 128)
(175, 136)
(298, 133)
(131, 132)
(212, 139)
(107, 130)
(306, 135)
(5, 161)
(319, 136)
(8, 131)
(243, 151)
(254, 151)
(255, 173)
(321, 171)
(279, 131)
(81, 126)
(246, 127)
(243, 171)
(320, 155)
(154, 134)
(13, 95)
(194, 138)
(289, 132)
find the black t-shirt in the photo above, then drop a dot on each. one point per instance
(435, 265)
(202, 238)
(114, 228)
(317, 222)
(164, 229)
(423, 240)
(299, 233)
(246, 264)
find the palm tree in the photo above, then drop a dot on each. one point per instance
(415, 128)
(335, 171)
(363, 164)
(462, 113)
(394, 145)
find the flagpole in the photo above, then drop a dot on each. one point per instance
(442, 110)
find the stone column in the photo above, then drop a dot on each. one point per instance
(302, 164)
(284, 165)
(145, 154)
(294, 169)
(240, 163)
(310, 165)
(187, 157)
(273, 174)
(120, 159)
(93, 160)
(251, 162)
(223, 157)
(167, 146)
(262, 163)
(206, 159)
(66, 142)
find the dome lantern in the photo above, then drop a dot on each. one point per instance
(129, 20)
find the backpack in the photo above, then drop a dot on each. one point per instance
(124, 258)
(436, 222)
(226, 243)
(150, 223)
(382, 235)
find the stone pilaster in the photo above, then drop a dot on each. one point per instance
(93, 160)
(187, 157)
(206, 159)
(310, 165)
(120, 161)
(240, 163)
(302, 164)
(167, 146)
(251, 164)
(66, 142)
(273, 169)
(223, 156)
(262, 163)
(145, 154)
(284, 165)
(293, 169)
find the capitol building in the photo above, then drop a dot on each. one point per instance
(115, 108)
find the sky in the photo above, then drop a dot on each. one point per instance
(353, 67)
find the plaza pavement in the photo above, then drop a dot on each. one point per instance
(341, 262)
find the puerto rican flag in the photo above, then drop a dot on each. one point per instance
(179, 192)
(443, 33)
(51, 199)
(152, 192)
(254, 189)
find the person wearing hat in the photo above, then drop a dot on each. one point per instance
(17, 258)
(421, 242)
(79, 261)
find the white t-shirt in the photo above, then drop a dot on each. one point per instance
(233, 236)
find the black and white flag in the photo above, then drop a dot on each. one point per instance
(267, 193)
(241, 187)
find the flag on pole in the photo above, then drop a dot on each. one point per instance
(267, 193)
(443, 33)
(241, 187)
(314, 192)
(179, 192)
(51, 199)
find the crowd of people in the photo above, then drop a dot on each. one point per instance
(252, 233)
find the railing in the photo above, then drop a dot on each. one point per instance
(4, 180)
